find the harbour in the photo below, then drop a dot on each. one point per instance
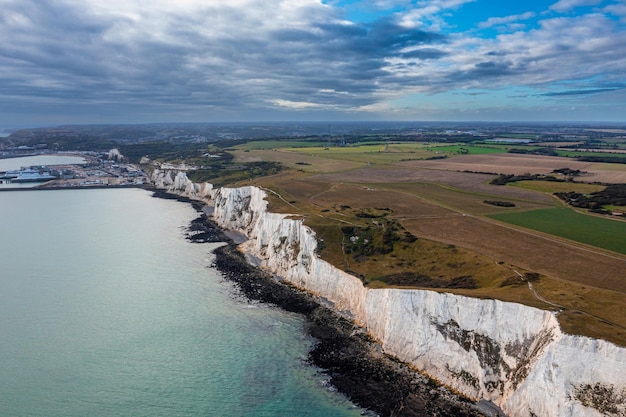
(67, 172)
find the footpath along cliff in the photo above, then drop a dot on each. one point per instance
(513, 355)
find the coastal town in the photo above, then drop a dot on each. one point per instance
(95, 170)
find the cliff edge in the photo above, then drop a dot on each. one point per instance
(513, 355)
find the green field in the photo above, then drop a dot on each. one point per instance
(567, 223)
(392, 152)
(575, 154)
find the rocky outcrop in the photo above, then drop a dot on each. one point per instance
(177, 182)
(511, 354)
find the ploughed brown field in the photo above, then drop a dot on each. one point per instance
(442, 203)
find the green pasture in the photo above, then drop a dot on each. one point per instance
(577, 154)
(567, 223)
(388, 153)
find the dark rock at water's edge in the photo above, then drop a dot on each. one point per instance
(201, 229)
(356, 366)
(160, 193)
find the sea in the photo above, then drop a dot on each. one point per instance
(106, 309)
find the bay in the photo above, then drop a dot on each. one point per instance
(106, 309)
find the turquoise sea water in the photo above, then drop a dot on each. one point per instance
(106, 310)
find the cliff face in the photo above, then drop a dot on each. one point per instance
(483, 348)
(178, 182)
(287, 248)
(513, 355)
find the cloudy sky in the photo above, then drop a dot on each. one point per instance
(136, 61)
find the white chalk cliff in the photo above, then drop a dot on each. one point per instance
(178, 182)
(511, 354)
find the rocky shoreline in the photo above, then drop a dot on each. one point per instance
(354, 363)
